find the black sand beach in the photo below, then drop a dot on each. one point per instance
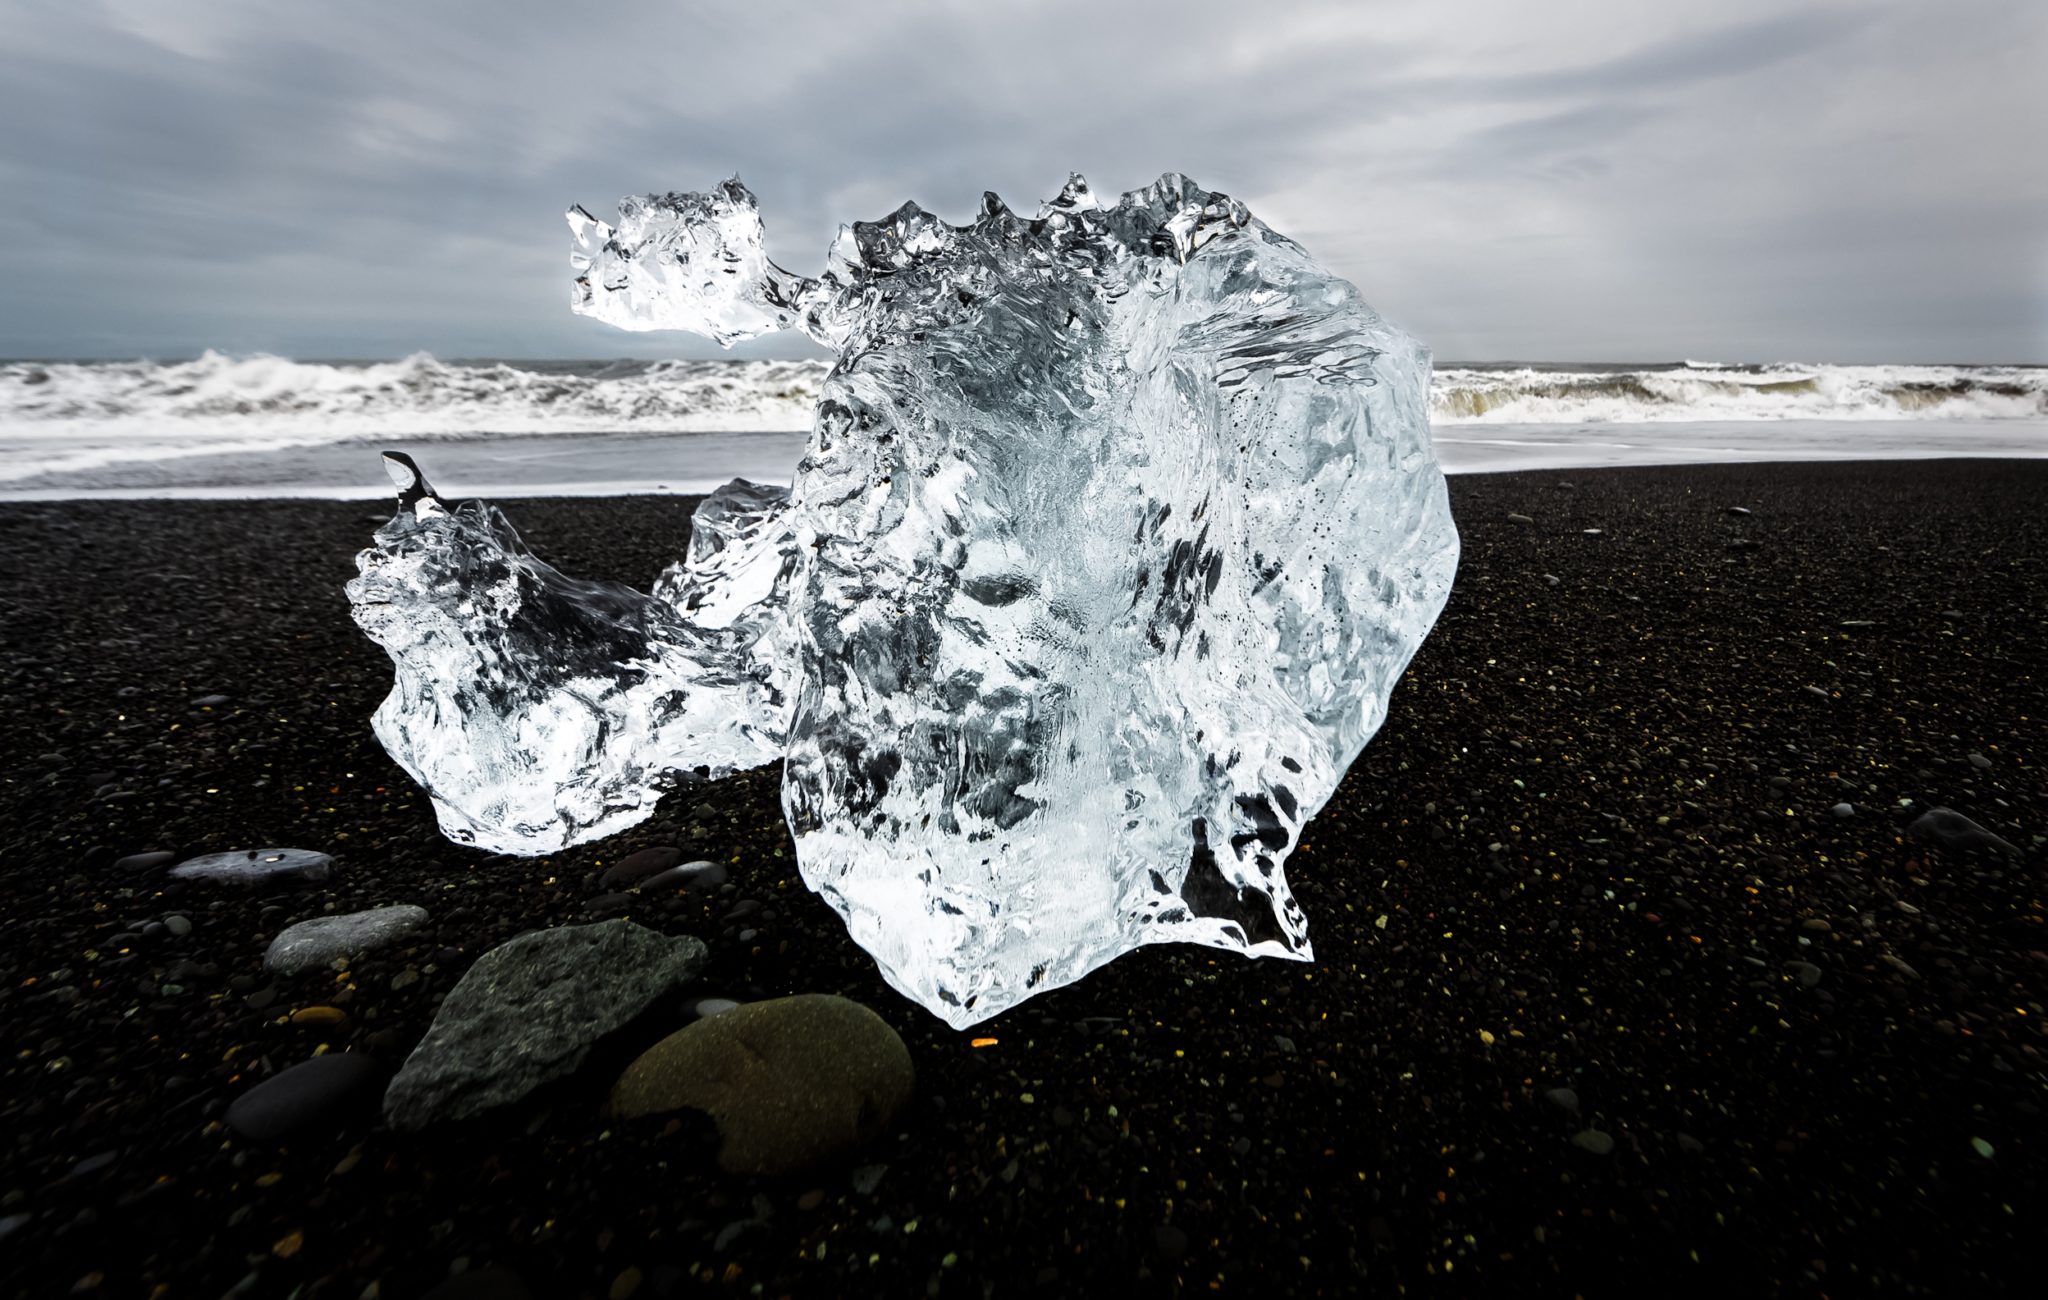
(1596, 848)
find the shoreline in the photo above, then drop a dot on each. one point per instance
(1586, 853)
(636, 464)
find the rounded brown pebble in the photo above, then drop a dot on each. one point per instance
(789, 1081)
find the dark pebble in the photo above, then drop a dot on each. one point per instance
(326, 1090)
(636, 867)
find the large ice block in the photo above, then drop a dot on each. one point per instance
(1116, 528)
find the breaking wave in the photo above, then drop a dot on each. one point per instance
(1704, 391)
(74, 415)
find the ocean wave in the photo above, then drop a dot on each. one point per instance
(1707, 391)
(62, 416)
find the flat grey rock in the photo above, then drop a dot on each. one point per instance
(529, 1012)
(257, 866)
(310, 945)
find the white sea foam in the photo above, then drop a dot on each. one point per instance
(1706, 391)
(72, 417)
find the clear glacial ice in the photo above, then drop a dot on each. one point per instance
(1116, 528)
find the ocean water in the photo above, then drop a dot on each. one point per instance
(268, 426)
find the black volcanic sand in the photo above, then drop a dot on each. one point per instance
(1586, 852)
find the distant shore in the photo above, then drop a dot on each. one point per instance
(1628, 977)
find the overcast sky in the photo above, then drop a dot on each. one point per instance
(1608, 179)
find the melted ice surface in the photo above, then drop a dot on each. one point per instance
(1115, 530)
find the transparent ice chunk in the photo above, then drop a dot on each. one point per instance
(540, 710)
(1116, 528)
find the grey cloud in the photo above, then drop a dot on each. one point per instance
(372, 178)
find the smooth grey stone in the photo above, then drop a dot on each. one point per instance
(1951, 830)
(209, 701)
(1593, 1140)
(609, 905)
(1844, 810)
(1564, 1099)
(256, 866)
(311, 945)
(709, 1007)
(179, 926)
(139, 862)
(323, 1089)
(529, 1011)
(636, 867)
(691, 875)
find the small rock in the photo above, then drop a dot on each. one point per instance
(1980, 762)
(312, 945)
(1690, 1144)
(867, 1178)
(405, 979)
(1592, 1139)
(1591, 532)
(811, 1200)
(491, 1282)
(257, 866)
(325, 1089)
(790, 1081)
(637, 867)
(209, 701)
(1951, 830)
(1821, 691)
(179, 926)
(1564, 1099)
(691, 875)
(607, 905)
(137, 863)
(1551, 580)
(1808, 973)
(1817, 925)
(705, 1008)
(529, 1011)
(1520, 519)
(261, 999)
(1844, 810)
(1738, 510)
(319, 1016)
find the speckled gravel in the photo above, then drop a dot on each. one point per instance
(1607, 998)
